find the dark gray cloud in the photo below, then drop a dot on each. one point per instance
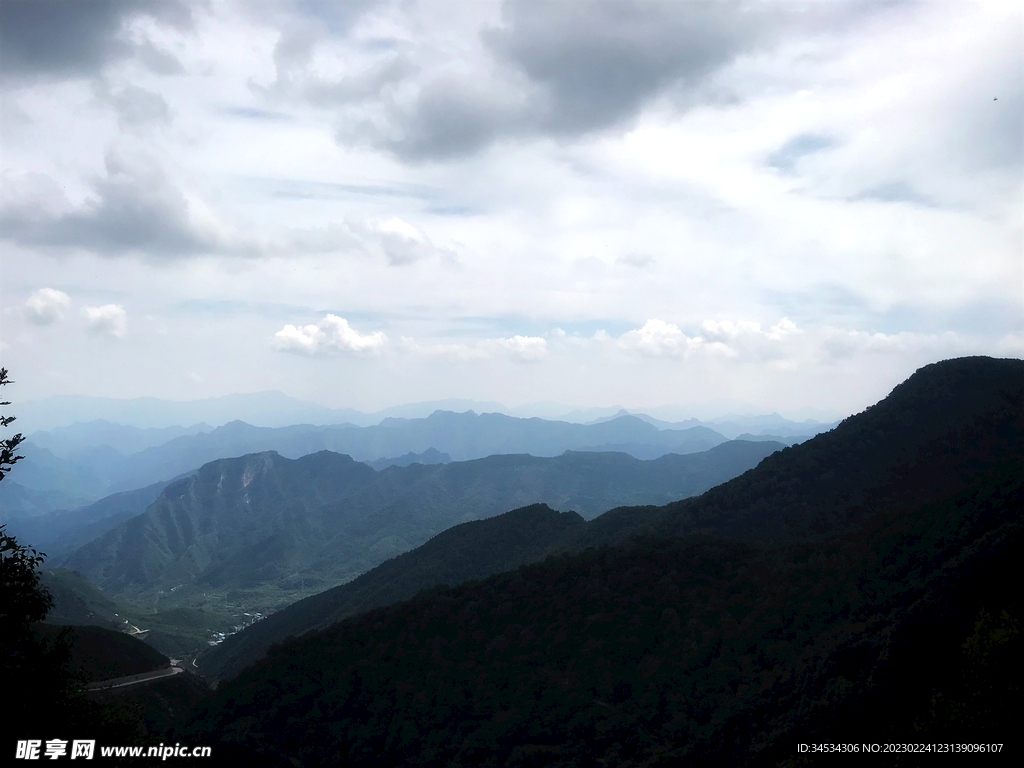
(580, 67)
(562, 69)
(449, 119)
(76, 38)
(136, 210)
(598, 62)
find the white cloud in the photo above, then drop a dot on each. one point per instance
(46, 306)
(660, 339)
(108, 320)
(332, 334)
(524, 348)
(739, 339)
(746, 339)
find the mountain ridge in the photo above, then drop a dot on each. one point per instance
(720, 630)
(324, 518)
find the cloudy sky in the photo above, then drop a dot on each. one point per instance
(780, 205)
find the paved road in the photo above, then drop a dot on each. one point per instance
(145, 677)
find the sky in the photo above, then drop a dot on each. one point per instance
(771, 206)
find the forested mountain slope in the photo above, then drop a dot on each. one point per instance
(830, 593)
(316, 521)
(468, 551)
(701, 650)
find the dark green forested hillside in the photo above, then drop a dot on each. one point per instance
(697, 648)
(102, 654)
(469, 551)
(851, 587)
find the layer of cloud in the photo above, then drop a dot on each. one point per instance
(109, 320)
(546, 69)
(596, 64)
(593, 165)
(746, 341)
(726, 341)
(46, 306)
(136, 209)
(559, 69)
(331, 335)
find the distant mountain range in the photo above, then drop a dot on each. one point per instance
(275, 409)
(73, 474)
(852, 588)
(263, 521)
(67, 467)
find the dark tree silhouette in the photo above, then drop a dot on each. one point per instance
(24, 599)
(50, 690)
(7, 447)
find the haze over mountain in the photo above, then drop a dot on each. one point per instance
(58, 533)
(67, 416)
(79, 442)
(68, 467)
(90, 475)
(831, 590)
(276, 527)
